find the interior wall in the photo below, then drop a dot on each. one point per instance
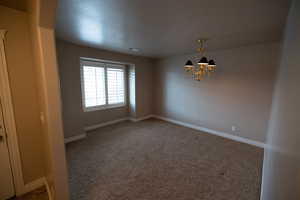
(239, 94)
(32, 7)
(42, 17)
(24, 91)
(281, 174)
(75, 119)
(15, 4)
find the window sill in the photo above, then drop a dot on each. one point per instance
(106, 107)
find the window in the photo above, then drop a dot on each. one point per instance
(103, 85)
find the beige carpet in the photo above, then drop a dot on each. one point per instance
(156, 160)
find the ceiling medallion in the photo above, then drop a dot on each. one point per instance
(203, 67)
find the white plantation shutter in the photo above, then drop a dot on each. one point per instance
(115, 85)
(94, 86)
(103, 85)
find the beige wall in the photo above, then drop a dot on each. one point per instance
(281, 174)
(42, 18)
(74, 117)
(238, 94)
(34, 34)
(24, 92)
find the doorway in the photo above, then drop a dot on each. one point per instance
(11, 178)
(7, 189)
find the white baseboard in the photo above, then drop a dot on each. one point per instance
(93, 127)
(214, 132)
(199, 128)
(96, 126)
(50, 197)
(36, 184)
(141, 118)
(75, 138)
(33, 185)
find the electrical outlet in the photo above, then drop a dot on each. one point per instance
(233, 128)
(42, 117)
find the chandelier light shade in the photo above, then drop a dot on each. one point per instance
(211, 67)
(203, 68)
(211, 63)
(203, 61)
(189, 66)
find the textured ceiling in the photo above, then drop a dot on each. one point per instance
(161, 28)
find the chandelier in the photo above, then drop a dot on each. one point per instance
(203, 67)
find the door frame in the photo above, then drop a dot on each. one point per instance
(9, 120)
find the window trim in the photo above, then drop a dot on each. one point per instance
(105, 64)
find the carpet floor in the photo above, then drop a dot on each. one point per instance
(156, 160)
